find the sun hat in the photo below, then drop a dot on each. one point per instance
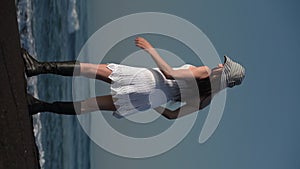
(233, 73)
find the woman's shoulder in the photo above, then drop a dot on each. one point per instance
(190, 66)
(185, 66)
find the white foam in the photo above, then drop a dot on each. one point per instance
(73, 21)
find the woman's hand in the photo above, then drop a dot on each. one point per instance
(143, 43)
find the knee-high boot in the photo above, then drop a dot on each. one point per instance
(68, 108)
(34, 67)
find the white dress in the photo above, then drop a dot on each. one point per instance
(136, 89)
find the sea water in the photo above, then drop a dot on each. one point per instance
(55, 30)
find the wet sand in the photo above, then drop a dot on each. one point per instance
(17, 142)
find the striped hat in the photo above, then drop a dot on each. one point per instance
(234, 73)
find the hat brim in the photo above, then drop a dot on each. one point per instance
(225, 59)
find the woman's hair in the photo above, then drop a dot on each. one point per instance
(209, 86)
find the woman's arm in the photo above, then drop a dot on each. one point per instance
(182, 111)
(190, 107)
(162, 65)
(195, 72)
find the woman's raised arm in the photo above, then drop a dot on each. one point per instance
(195, 72)
(162, 65)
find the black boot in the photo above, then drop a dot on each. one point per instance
(68, 108)
(34, 67)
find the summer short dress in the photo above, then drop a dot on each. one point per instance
(136, 89)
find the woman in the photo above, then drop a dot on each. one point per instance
(135, 89)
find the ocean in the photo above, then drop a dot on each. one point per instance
(55, 30)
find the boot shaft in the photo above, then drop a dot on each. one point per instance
(69, 68)
(68, 108)
(34, 67)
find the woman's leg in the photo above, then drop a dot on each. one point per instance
(98, 103)
(34, 67)
(97, 71)
(68, 68)
(70, 108)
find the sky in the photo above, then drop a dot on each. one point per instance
(260, 125)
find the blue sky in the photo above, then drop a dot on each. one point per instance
(260, 124)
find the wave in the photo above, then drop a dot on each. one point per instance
(73, 21)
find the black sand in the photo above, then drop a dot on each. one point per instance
(17, 144)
